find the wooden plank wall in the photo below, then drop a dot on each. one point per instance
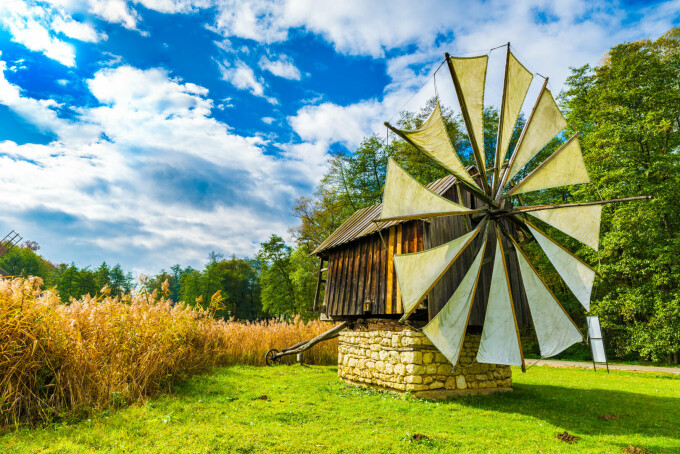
(363, 271)
(444, 229)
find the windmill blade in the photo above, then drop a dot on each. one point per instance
(562, 168)
(447, 328)
(469, 80)
(576, 274)
(554, 328)
(500, 343)
(579, 222)
(433, 140)
(545, 122)
(405, 198)
(515, 88)
(418, 272)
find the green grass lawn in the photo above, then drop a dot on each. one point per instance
(309, 410)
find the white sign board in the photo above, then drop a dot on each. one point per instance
(595, 336)
(597, 346)
(594, 331)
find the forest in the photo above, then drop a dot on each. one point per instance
(627, 110)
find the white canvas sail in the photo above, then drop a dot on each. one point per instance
(577, 275)
(582, 223)
(562, 168)
(433, 140)
(518, 82)
(405, 198)
(418, 272)
(545, 123)
(447, 329)
(471, 74)
(554, 329)
(500, 340)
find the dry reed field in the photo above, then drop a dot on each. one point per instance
(62, 360)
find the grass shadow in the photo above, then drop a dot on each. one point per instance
(579, 410)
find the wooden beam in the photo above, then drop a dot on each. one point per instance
(570, 205)
(318, 284)
(398, 309)
(390, 271)
(501, 117)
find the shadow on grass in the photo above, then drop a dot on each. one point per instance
(579, 410)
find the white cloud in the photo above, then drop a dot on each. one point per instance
(243, 77)
(283, 66)
(574, 28)
(268, 120)
(352, 26)
(175, 6)
(330, 123)
(259, 20)
(114, 11)
(152, 158)
(77, 30)
(37, 27)
(27, 25)
(41, 112)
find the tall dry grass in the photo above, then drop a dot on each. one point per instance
(60, 360)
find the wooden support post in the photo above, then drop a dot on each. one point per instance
(318, 285)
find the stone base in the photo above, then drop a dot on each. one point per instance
(390, 357)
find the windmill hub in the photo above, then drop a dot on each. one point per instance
(496, 213)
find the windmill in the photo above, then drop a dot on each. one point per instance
(404, 199)
(9, 242)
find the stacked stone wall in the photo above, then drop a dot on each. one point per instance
(405, 360)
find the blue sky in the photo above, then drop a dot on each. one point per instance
(151, 132)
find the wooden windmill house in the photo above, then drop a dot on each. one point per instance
(361, 287)
(447, 260)
(360, 280)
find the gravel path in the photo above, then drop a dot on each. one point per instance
(585, 365)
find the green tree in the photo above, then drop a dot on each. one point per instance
(87, 282)
(240, 288)
(67, 282)
(24, 261)
(155, 283)
(304, 274)
(191, 287)
(277, 289)
(628, 110)
(103, 276)
(120, 283)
